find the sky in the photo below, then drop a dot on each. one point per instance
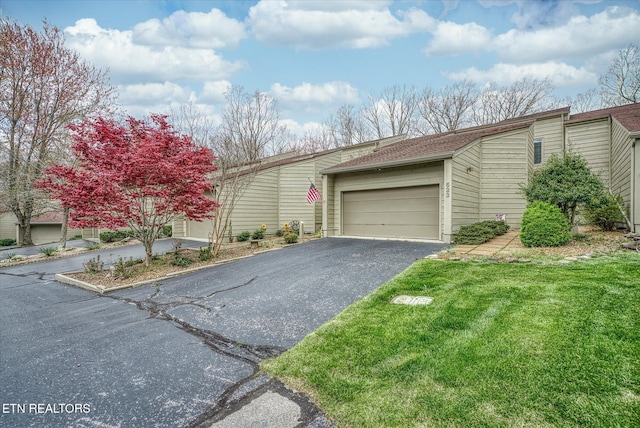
(314, 56)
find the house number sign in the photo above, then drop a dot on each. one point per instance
(447, 189)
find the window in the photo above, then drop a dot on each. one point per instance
(537, 152)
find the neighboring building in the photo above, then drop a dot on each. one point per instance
(45, 228)
(428, 187)
(278, 192)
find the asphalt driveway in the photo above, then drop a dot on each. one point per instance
(180, 352)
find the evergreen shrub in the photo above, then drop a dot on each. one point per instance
(243, 236)
(544, 225)
(604, 211)
(481, 232)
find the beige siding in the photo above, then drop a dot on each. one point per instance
(621, 156)
(415, 175)
(591, 140)
(348, 153)
(530, 152)
(258, 205)
(179, 228)
(8, 226)
(329, 223)
(504, 168)
(322, 163)
(550, 131)
(293, 187)
(465, 187)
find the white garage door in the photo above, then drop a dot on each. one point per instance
(405, 212)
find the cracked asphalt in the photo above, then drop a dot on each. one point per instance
(182, 352)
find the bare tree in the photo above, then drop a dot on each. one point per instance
(448, 109)
(43, 87)
(187, 119)
(251, 125)
(314, 141)
(621, 83)
(393, 112)
(524, 96)
(250, 130)
(234, 176)
(347, 127)
(585, 101)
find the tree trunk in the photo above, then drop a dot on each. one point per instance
(25, 233)
(148, 249)
(65, 227)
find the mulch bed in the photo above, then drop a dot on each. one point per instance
(168, 264)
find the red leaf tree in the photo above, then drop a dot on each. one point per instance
(140, 175)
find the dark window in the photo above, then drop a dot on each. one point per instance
(537, 151)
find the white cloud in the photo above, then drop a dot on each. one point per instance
(535, 14)
(144, 110)
(451, 38)
(298, 130)
(153, 93)
(307, 94)
(581, 37)
(561, 74)
(329, 24)
(194, 29)
(214, 91)
(114, 49)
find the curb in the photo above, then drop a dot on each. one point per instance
(64, 279)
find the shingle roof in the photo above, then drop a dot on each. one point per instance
(51, 217)
(420, 149)
(264, 165)
(628, 116)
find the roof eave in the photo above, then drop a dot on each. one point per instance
(389, 164)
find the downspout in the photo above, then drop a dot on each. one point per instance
(634, 204)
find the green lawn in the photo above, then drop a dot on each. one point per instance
(535, 344)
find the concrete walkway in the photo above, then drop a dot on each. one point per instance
(497, 247)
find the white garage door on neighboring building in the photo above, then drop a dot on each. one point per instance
(405, 212)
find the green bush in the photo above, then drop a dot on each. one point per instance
(47, 251)
(258, 234)
(122, 268)
(93, 246)
(498, 227)
(205, 254)
(180, 260)
(5, 242)
(166, 231)
(93, 265)
(544, 225)
(243, 236)
(290, 237)
(279, 233)
(481, 232)
(565, 181)
(112, 236)
(604, 211)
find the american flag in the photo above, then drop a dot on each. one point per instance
(313, 194)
